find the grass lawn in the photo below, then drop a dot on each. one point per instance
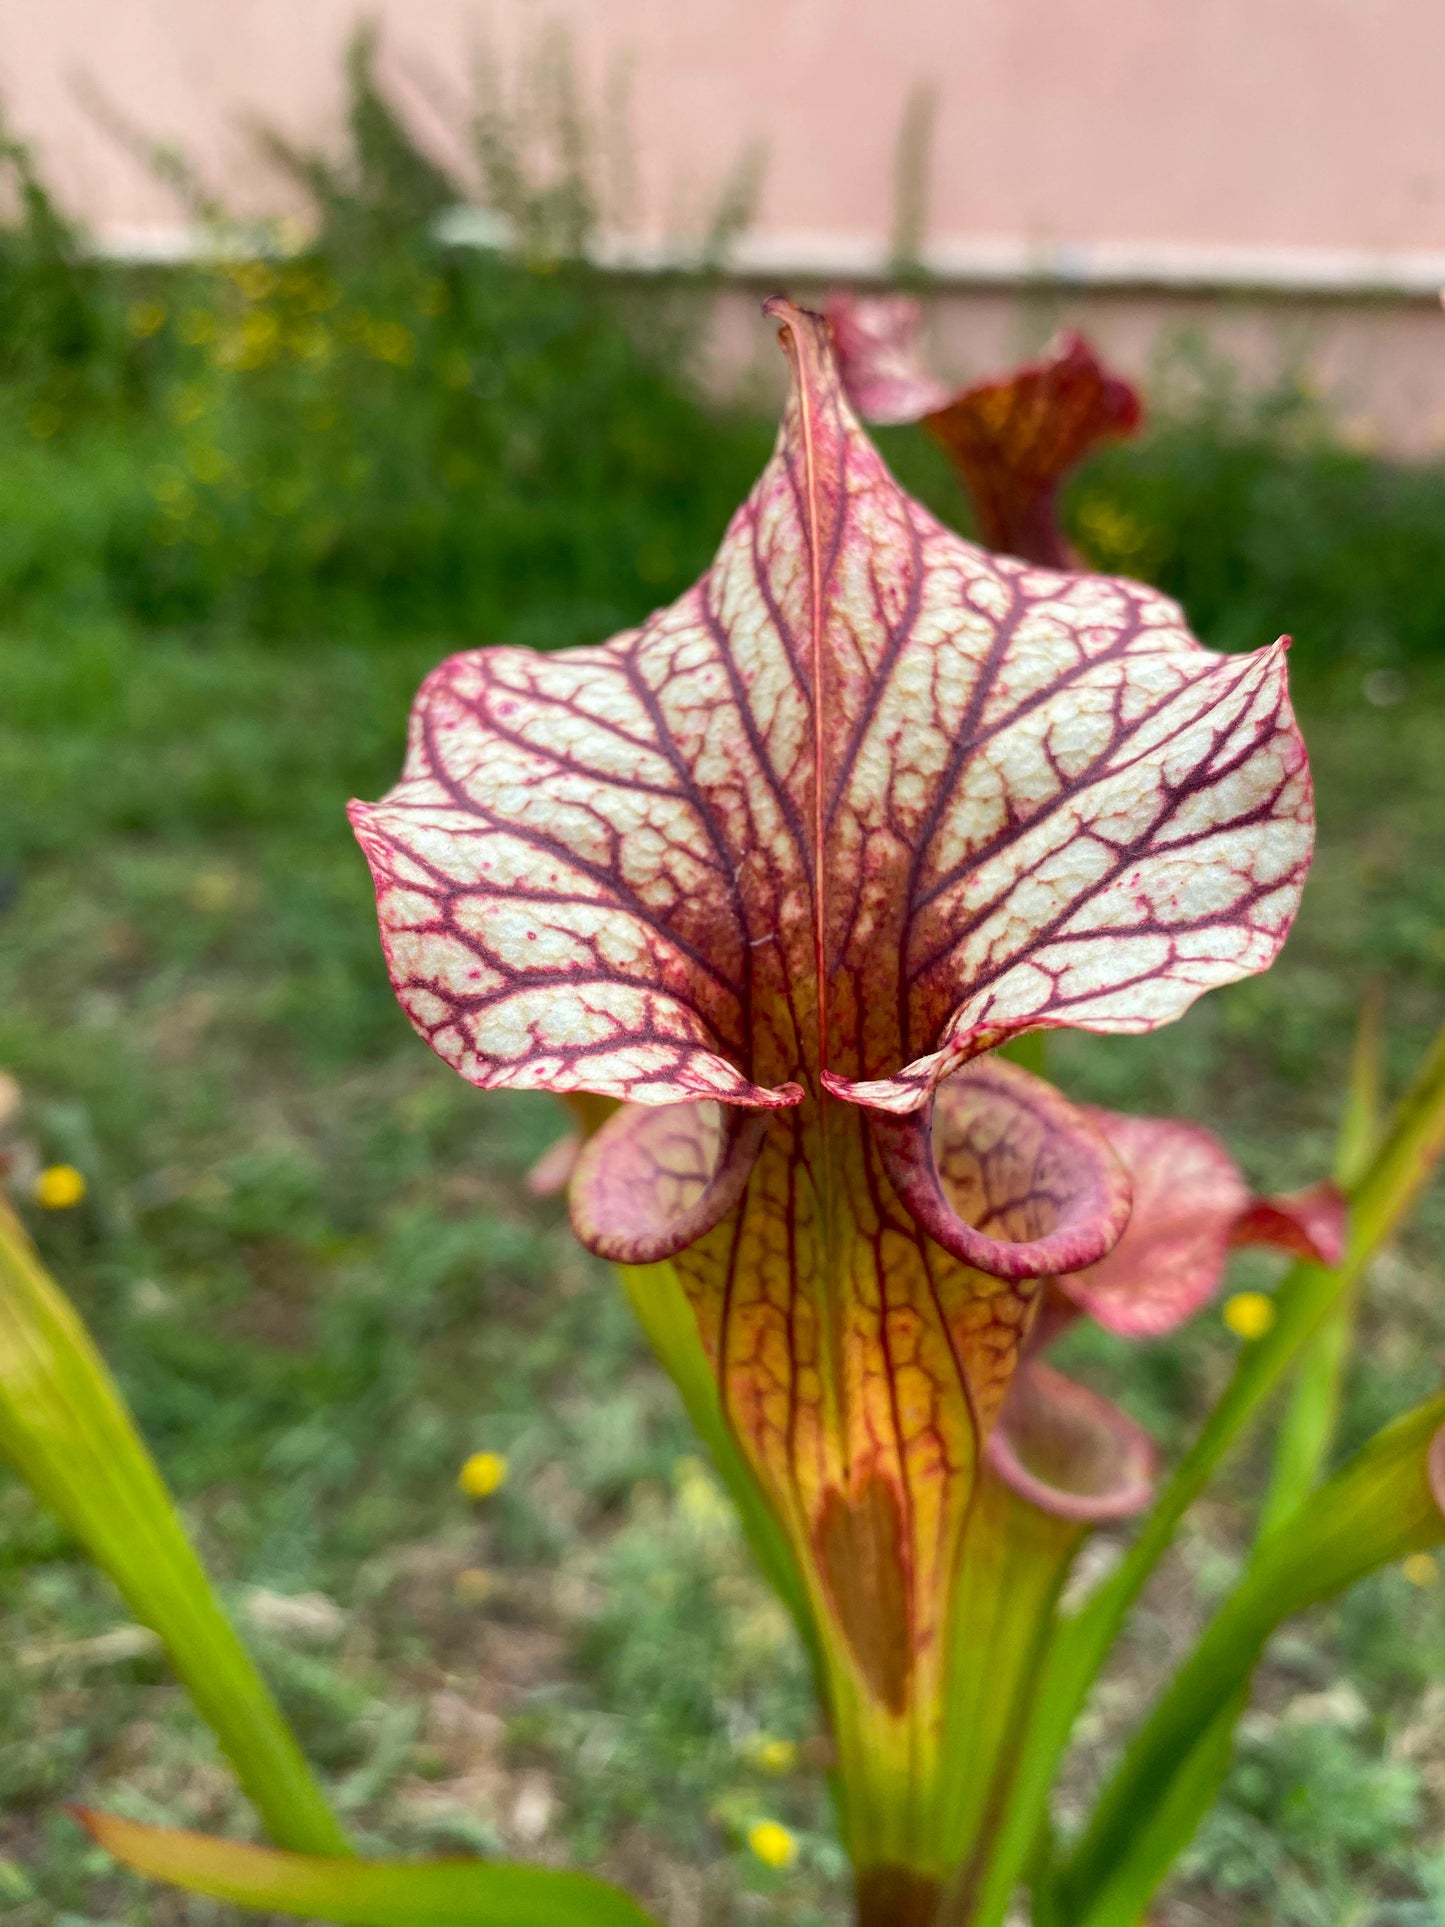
(307, 1253)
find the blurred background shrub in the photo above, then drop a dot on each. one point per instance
(371, 432)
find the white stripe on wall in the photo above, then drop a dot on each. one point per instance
(1134, 266)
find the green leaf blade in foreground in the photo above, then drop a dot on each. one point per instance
(1307, 1426)
(359, 1893)
(1169, 1825)
(65, 1428)
(1405, 1159)
(1378, 1508)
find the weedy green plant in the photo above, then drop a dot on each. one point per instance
(354, 427)
(383, 433)
(65, 1429)
(778, 876)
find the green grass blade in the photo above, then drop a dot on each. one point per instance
(1359, 1134)
(66, 1429)
(1307, 1429)
(1378, 1508)
(1405, 1159)
(1165, 1829)
(437, 1893)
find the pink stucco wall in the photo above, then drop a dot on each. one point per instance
(1276, 124)
(1274, 121)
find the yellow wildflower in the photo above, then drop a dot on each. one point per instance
(320, 294)
(1249, 1314)
(1420, 1569)
(773, 1843)
(1109, 529)
(208, 464)
(215, 890)
(391, 341)
(146, 318)
(59, 1187)
(473, 1586)
(698, 1496)
(311, 342)
(259, 338)
(188, 404)
(256, 280)
(774, 1756)
(197, 326)
(482, 1474)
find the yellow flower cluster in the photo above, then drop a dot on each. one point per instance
(1113, 538)
(245, 318)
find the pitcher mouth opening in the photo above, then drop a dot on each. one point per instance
(655, 1178)
(994, 1128)
(1069, 1451)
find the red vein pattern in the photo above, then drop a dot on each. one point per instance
(1013, 440)
(863, 802)
(1043, 803)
